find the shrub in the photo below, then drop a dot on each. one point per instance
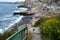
(6, 35)
(39, 22)
(50, 28)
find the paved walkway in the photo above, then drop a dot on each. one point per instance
(36, 34)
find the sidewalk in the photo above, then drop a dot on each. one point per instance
(36, 33)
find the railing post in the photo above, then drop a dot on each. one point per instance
(26, 31)
(17, 27)
(27, 34)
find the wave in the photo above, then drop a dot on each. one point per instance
(19, 19)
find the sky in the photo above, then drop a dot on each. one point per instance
(10, 0)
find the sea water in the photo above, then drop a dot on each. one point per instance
(6, 15)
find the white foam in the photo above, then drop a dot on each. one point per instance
(16, 11)
(15, 22)
(24, 9)
(1, 30)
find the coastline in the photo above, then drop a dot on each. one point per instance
(12, 25)
(9, 2)
(16, 21)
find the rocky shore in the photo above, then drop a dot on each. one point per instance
(39, 8)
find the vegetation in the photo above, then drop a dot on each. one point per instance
(39, 22)
(9, 33)
(50, 28)
(6, 35)
(29, 36)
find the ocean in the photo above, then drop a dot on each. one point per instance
(6, 15)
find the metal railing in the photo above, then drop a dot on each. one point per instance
(20, 35)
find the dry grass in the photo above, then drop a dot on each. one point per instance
(29, 36)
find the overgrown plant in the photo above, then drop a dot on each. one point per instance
(39, 22)
(50, 28)
(6, 35)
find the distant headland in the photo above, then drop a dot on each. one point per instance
(9, 2)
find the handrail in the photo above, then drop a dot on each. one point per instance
(22, 34)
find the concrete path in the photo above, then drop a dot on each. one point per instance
(36, 37)
(36, 34)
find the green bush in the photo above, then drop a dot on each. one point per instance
(50, 28)
(39, 22)
(6, 35)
